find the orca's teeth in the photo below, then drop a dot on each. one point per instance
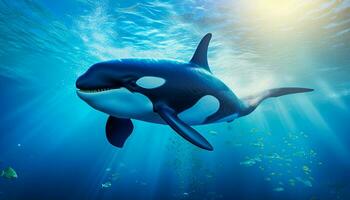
(95, 90)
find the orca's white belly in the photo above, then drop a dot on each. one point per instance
(194, 115)
(125, 104)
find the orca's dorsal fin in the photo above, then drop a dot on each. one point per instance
(200, 55)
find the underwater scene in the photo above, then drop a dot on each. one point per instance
(54, 141)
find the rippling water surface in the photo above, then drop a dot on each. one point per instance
(294, 147)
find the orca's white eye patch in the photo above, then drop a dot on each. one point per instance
(150, 82)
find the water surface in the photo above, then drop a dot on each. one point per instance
(294, 147)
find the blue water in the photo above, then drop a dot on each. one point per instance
(293, 147)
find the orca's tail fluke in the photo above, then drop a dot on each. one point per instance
(250, 103)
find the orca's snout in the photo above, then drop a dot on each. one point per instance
(112, 74)
(82, 82)
(78, 83)
(89, 81)
(93, 78)
(97, 77)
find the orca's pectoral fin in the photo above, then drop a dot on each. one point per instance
(118, 130)
(183, 129)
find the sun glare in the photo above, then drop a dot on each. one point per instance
(273, 12)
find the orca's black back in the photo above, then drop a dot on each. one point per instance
(185, 85)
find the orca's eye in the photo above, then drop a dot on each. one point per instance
(150, 82)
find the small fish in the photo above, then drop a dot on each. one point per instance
(306, 169)
(291, 182)
(213, 132)
(106, 184)
(115, 176)
(305, 182)
(122, 164)
(250, 162)
(209, 176)
(9, 173)
(141, 182)
(278, 189)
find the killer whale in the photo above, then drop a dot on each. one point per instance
(179, 94)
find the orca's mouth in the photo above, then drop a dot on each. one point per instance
(86, 87)
(95, 90)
